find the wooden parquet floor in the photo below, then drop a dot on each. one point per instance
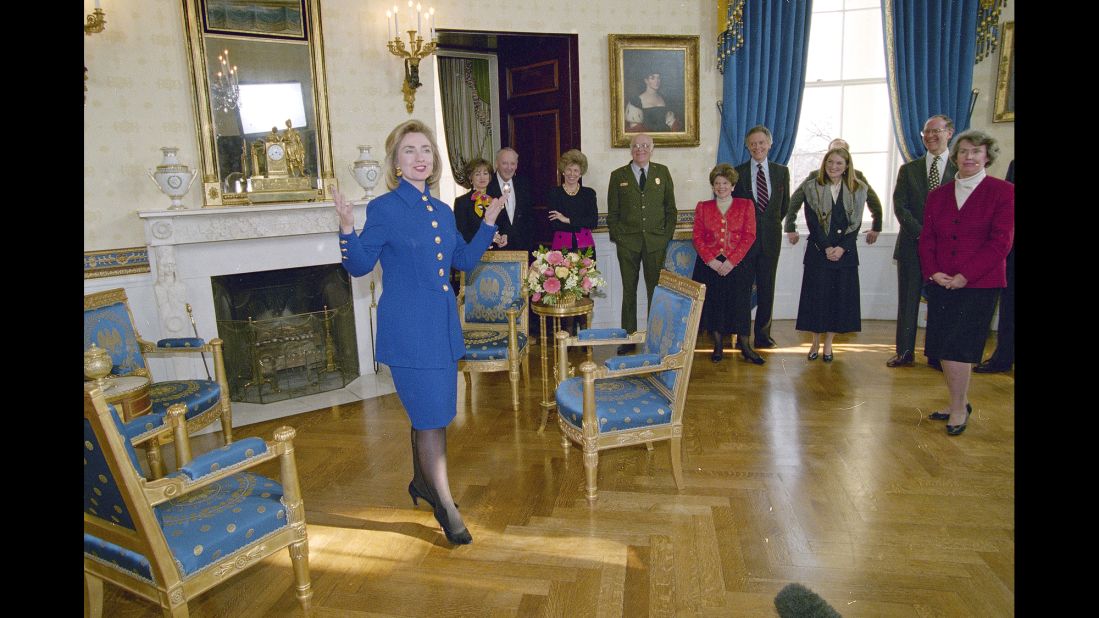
(824, 474)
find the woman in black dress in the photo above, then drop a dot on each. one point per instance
(572, 207)
(469, 208)
(835, 200)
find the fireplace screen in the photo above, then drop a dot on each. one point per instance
(287, 333)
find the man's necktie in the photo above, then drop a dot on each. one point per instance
(761, 189)
(933, 177)
(641, 182)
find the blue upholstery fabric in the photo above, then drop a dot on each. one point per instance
(141, 424)
(489, 344)
(181, 342)
(199, 395)
(492, 287)
(601, 333)
(118, 556)
(224, 457)
(111, 329)
(667, 328)
(680, 258)
(620, 403)
(102, 496)
(632, 361)
(220, 518)
(207, 524)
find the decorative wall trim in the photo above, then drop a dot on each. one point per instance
(685, 219)
(175, 227)
(116, 262)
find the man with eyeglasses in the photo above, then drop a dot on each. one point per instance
(914, 180)
(641, 217)
(768, 184)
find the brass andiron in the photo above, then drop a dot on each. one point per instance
(329, 343)
(415, 51)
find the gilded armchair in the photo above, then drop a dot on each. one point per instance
(681, 254)
(492, 307)
(171, 539)
(634, 399)
(109, 324)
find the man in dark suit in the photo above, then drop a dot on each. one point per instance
(641, 217)
(873, 202)
(914, 180)
(1004, 356)
(516, 223)
(768, 185)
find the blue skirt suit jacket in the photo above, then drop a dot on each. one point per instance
(415, 238)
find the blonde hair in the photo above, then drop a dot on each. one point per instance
(849, 179)
(394, 140)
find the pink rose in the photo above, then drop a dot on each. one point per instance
(555, 257)
(587, 262)
(548, 272)
(552, 285)
(586, 284)
(536, 297)
(583, 271)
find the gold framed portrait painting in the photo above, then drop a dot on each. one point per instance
(654, 88)
(1005, 77)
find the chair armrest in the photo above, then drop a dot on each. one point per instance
(181, 342)
(585, 334)
(226, 457)
(145, 428)
(631, 361)
(638, 337)
(179, 484)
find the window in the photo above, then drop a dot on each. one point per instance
(846, 95)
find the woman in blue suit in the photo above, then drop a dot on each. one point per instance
(415, 238)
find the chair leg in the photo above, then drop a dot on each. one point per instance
(676, 452)
(227, 420)
(156, 460)
(93, 596)
(303, 588)
(565, 443)
(591, 467)
(649, 446)
(513, 375)
(469, 380)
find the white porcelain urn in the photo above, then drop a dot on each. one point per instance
(173, 177)
(366, 171)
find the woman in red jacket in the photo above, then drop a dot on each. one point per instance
(968, 227)
(724, 231)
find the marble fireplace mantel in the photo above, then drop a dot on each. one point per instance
(189, 247)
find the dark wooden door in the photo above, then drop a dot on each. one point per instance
(539, 110)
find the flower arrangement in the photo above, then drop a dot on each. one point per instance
(559, 278)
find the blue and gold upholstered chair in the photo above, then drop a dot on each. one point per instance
(171, 539)
(492, 307)
(109, 324)
(680, 258)
(634, 399)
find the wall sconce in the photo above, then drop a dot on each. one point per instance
(96, 21)
(417, 50)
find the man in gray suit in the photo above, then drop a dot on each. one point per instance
(914, 180)
(768, 184)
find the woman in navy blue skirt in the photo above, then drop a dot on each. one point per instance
(414, 237)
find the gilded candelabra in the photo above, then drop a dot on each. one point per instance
(414, 52)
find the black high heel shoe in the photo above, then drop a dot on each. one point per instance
(417, 495)
(956, 430)
(751, 355)
(826, 358)
(942, 416)
(460, 537)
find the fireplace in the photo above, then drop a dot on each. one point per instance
(287, 333)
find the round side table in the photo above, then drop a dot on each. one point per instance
(129, 393)
(581, 307)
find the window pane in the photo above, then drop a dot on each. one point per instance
(866, 117)
(858, 4)
(863, 49)
(824, 48)
(827, 5)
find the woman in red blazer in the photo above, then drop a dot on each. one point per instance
(724, 232)
(968, 227)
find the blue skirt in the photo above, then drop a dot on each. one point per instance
(429, 396)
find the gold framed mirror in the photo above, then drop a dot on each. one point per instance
(261, 100)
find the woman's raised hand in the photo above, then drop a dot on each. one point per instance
(344, 210)
(493, 210)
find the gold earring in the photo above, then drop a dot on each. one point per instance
(398, 172)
